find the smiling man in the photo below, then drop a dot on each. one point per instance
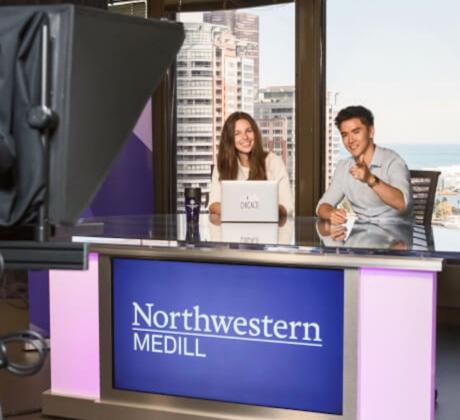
(375, 180)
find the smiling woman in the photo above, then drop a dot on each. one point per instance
(249, 69)
(241, 157)
(241, 144)
(244, 140)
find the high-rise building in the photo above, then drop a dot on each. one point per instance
(245, 27)
(274, 135)
(233, 80)
(195, 114)
(333, 139)
(213, 80)
(275, 112)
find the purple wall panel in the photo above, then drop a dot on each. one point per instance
(39, 302)
(128, 188)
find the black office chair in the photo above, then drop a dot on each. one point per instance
(424, 185)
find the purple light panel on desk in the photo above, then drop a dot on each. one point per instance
(74, 313)
(396, 344)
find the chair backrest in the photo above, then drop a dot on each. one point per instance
(423, 194)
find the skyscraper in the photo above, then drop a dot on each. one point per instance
(195, 116)
(213, 80)
(274, 135)
(245, 27)
(275, 112)
(333, 140)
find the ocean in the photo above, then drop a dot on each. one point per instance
(423, 156)
(419, 156)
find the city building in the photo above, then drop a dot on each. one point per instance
(333, 139)
(245, 27)
(275, 112)
(195, 116)
(274, 135)
(213, 80)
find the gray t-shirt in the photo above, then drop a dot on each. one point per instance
(386, 165)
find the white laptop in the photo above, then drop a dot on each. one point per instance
(249, 201)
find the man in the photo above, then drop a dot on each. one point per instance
(375, 180)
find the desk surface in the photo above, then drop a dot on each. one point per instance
(306, 233)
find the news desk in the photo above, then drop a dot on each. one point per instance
(247, 321)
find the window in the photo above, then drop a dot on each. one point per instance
(406, 70)
(235, 58)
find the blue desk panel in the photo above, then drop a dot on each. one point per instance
(259, 335)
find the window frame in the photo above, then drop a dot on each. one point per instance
(310, 68)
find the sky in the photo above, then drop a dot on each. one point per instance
(400, 58)
(276, 50)
(277, 47)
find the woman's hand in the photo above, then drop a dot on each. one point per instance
(282, 211)
(214, 218)
(215, 208)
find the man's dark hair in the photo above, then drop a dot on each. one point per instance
(355, 111)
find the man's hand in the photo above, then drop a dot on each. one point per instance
(338, 216)
(360, 171)
(388, 194)
(338, 232)
(334, 215)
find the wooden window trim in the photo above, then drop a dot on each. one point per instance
(310, 106)
(210, 5)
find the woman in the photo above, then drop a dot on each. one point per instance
(241, 157)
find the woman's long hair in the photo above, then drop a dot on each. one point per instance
(227, 158)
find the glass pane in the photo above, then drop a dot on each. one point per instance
(401, 60)
(233, 60)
